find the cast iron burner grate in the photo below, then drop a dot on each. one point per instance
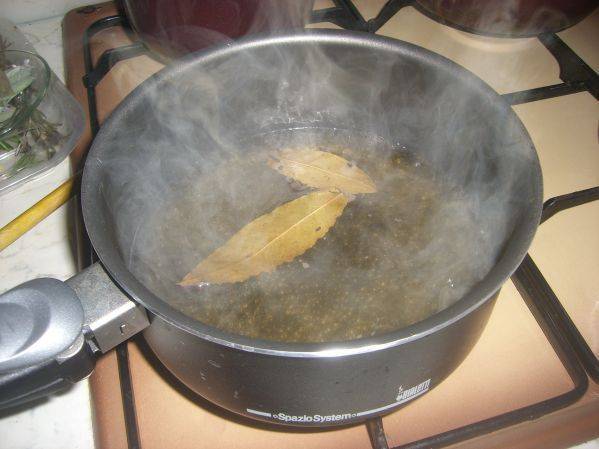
(566, 340)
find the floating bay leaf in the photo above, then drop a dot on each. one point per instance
(270, 240)
(321, 170)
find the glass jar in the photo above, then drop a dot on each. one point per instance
(40, 122)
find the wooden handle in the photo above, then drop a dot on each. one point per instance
(36, 213)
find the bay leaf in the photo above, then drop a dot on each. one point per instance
(270, 240)
(321, 170)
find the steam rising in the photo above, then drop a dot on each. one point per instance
(183, 175)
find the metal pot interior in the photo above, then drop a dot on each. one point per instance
(168, 181)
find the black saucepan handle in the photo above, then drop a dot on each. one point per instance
(51, 332)
(34, 382)
(42, 348)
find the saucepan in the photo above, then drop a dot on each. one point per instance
(308, 228)
(518, 18)
(176, 27)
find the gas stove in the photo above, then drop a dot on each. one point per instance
(531, 380)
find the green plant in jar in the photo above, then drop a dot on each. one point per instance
(26, 135)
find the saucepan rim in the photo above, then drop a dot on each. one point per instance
(98, 225)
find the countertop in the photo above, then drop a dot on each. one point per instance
(63, 421)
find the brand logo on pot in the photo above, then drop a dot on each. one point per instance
(281, 416)
(417, 390)
(402, 396)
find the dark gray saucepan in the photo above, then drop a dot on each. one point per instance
(50, 330)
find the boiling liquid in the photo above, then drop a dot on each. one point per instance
(392, 258)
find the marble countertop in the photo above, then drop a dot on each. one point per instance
(62, 421)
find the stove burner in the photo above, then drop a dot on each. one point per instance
(576, 75)
(565, 339)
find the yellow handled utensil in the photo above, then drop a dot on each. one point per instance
(36, 213)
